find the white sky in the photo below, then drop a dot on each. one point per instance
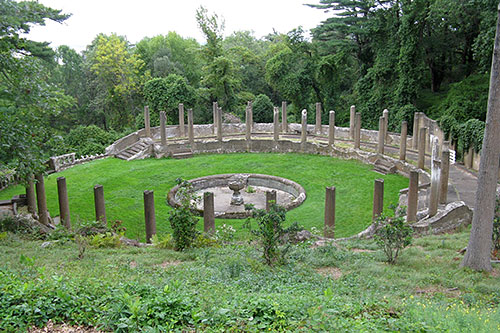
(147, 18)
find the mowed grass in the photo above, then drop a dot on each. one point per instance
(124, 183)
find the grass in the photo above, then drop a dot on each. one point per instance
(324, 288)
(124, 183)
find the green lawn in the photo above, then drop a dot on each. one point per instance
(124, 183)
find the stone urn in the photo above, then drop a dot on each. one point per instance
(236, 184)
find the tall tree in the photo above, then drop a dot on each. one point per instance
(478, 254)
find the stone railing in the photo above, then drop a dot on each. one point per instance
(59, 163)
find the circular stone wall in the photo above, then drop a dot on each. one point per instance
(289, 194)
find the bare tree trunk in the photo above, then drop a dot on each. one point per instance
(478, 255)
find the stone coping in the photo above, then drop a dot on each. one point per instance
(252, 179)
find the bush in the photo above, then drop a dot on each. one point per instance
(107, 240)
(450, 126)
(404, 113)
(471, 134)
(271, 233)
(393, 235)
(89, 140)
(163, 242)
(496, 226)
(182, 219)
(262, 109)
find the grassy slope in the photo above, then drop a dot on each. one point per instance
(320, 289)
(124, 183)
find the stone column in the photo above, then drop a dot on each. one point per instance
(385, 114)
(215, 107)
(284, 120)
(208, 212)
(317, 127)
(248, 125)
(412, 197)
(352, 121)
(445, 174)
(434, 195)
(329, 231)
(249, 104)
(276, 123)
(381, 135)
(402, 144)
(190, 126)
(100, 207)
(149, 215)
(219, 124)
(182, 132)
(163, 129)
(303, 136)
(147, 122)
(30, 195)
(378, 199)
(62, 193)
(421, 147)
(357, 130)
(41, 200)
(416, 128)
(331, 129)
(270, 198)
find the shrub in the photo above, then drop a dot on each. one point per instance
(393, 235)
(472, 133)
(404, 113)
(225, 233)
(163, 242)
(182, 219)
(89, 140)
(262, 109)
(270, 232)
(496, 226)
(450, 126)
(106, 240)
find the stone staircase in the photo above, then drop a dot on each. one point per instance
(132, 150)
(182, 153)
(384, 167)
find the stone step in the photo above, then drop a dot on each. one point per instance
(182, 155)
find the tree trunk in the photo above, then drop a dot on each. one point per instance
(478, 255)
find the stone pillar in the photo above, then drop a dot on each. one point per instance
(434, 195)
(329, 231)
(352, 121)
(435, 150)
(190, 126)
(215, 107)
(416, 128)
(248, 125)
(381, 135)
(378, 199)
(30, 195)
(331, 129)
(385, 114)
(182, 132)
(303, 136)
(149, 215)
(412, 197)
(284, 120)
(276, 123)
(163, 129)
(62, 194)
(445, 174)
(357, 130)
(219, 124)
(100, 207)
(249, 104)
(402, 144)
(270, 198)
(317, 127)
(421, 147)
(208, 212)
(147, 122)
(41, 200)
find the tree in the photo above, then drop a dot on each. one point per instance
(478, 254)
(114, 81)
(27, 98)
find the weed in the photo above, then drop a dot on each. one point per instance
(393, 235)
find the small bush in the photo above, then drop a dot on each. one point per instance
(107, 240)
(163, 242)
(262, 109)
(393, 235)
(89, 140)
(182, 219)
(205, 240)
(225, 233)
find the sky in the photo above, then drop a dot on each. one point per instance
(137, 19)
